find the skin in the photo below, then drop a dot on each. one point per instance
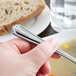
(21, 58)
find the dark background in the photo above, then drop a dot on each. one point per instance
(49, 30)
(48, 2)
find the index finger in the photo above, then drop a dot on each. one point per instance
(23, 45)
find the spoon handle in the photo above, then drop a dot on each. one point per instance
(23, 33)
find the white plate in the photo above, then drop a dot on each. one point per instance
(36, 25)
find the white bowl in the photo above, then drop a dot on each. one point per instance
(63, 37)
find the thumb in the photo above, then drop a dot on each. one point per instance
(39, 55)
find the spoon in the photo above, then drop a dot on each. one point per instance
(23, 33)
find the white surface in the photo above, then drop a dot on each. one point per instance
(64, 36)
(36, 25)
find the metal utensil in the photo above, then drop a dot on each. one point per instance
(23, 33)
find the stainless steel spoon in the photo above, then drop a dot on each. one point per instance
(23, 33)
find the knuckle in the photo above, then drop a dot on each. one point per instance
(45, 49)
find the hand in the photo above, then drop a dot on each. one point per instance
(21, 58)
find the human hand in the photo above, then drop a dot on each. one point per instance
(21, 58)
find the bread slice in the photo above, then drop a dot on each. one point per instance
(18, 12)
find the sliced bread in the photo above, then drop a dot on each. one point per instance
(18, 12)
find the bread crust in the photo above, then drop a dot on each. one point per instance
(8, 27)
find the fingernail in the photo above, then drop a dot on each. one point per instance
(49, 67)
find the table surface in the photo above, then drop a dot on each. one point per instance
(49, 30)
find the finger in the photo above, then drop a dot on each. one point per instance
(55, 56)
(40, 54)
(22, 45)
(40, 73)
(46, 69)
